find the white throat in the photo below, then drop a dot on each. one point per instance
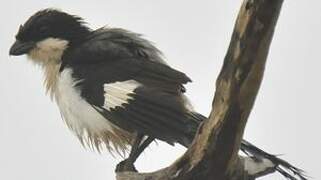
(47, 53)
(48, 50)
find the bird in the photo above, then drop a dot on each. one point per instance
(114, 89)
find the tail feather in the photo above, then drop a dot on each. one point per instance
(283, 167)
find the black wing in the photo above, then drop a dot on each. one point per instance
(121, 75)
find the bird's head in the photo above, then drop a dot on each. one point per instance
(47, 33)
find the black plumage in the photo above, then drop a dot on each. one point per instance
(157, 108)
(153, 106)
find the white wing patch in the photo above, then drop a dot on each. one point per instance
(117, 94)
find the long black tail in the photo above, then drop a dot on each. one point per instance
(283, 167)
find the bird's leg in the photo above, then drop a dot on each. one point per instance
(137, 148)
(141, 148)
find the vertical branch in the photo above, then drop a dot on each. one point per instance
(214, 152)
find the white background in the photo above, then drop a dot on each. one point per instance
(194, 35)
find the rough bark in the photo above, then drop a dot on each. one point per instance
(214, 151)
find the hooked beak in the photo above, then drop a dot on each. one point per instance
(20, 48)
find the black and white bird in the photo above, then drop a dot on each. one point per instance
(113, 87)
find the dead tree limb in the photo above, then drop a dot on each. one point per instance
(214, 152)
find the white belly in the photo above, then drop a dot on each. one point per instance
(80, 116)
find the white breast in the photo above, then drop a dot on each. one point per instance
(88, 125)
(80, 116)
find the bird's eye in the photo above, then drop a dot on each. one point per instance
(43, 30)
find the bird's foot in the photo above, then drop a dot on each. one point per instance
(126, 165)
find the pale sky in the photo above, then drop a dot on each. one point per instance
(194, 35)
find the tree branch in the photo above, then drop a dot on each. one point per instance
(214, 151)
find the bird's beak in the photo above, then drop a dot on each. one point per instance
(20, 48)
